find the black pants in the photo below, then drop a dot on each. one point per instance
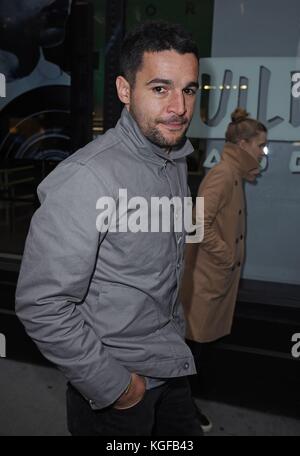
(166, 410)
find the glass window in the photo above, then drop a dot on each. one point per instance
(254, 58)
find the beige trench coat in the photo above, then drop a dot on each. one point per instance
(213, 267)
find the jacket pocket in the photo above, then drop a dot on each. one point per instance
(124, 311)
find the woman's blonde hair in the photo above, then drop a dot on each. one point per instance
(243, 127)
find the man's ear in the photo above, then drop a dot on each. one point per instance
(123, 90)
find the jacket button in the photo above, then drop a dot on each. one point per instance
(186, 366)
(237, 240)
(233, 268)
(240, 211)
(239, 264)
(241, 237)
(235, 182)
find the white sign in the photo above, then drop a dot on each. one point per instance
(263, 86)
(214, 156)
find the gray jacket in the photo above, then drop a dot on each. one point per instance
(103, 305)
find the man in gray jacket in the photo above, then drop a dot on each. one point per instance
(99, 296)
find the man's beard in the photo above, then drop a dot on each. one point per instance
(153, 134)
(156, 137)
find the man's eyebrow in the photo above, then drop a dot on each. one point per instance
(170, 82)
(160, 81)
(193, 84)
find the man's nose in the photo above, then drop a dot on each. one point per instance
(177, 104)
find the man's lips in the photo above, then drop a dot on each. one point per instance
(174, 124)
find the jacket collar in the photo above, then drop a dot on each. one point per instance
(128, 130)
(240, 159)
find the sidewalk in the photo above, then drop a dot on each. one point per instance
(33, 404)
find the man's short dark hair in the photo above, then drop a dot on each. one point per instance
(154, 36)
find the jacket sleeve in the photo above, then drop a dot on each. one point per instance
(216, 190)
(58, 263)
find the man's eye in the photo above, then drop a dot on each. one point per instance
(190, 91)
(159, 89)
